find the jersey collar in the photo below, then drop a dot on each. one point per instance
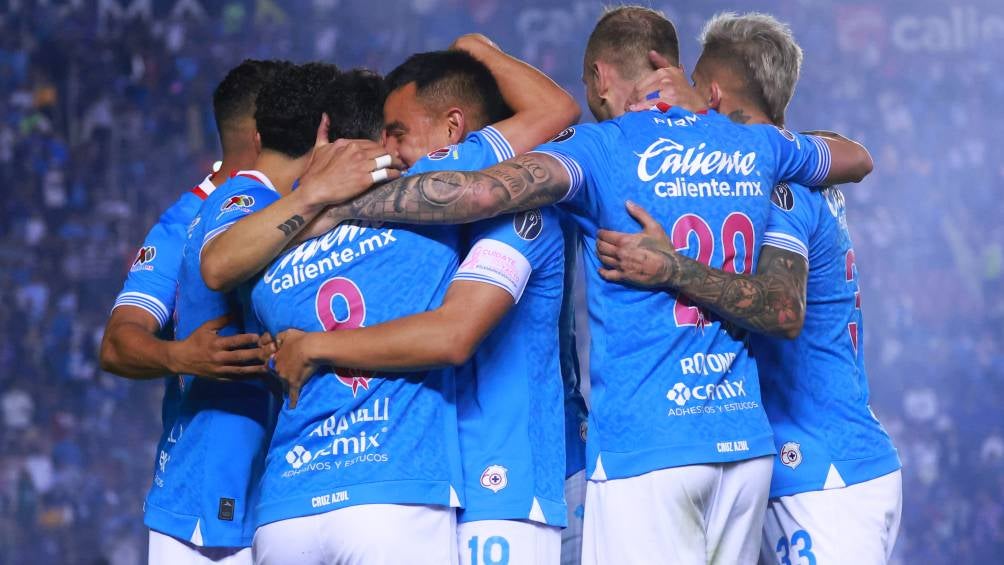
(258, 176)
(205, 188)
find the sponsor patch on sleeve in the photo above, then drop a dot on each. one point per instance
(528, 225)
(782, 197)
(787, 135)
(144, 259)
(494, 262)
(564, 135)
(440, 154)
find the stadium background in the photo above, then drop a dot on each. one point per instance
(105, 119)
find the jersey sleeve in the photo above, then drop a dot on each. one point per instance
(578, 149)
(792, 219)
(153, 276)
(239, 203)
(479, 150)
(507, 249)
(804, 159)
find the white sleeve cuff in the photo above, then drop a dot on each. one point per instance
(786, 242)
(573, 169)
(499, 144)
(823, 165)
(151, 304)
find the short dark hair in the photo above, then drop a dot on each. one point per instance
(624, 35)
(453, 77)
(354, 103)
(289, 108)
(234, 98)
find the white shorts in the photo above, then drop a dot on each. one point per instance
(697, 514)
(368, 534)
(166, 550)
(571, 536)
(856, 524)
(505, 542)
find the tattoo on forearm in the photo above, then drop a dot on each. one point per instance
(772, 301)
(292, 225)
(526, 182)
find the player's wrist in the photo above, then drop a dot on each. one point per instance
(174, 357)
(307, 201)
(313, 348)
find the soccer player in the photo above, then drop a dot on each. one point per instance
(136, 343)
(506, 296)
(514, 480)
(210, 459)
(836, 492)
(678, 457)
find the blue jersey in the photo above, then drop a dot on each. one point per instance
(575, 405)
(354, 436)
(152, 283)
(510, 398)
(512, 469)
(672, 385)
(209, 461)
(815, 388)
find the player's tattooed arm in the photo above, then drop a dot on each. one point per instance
(449, 197)
(771, 301)
(337, 172)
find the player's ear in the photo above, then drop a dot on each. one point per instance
(257, 143)
(603, 79)
(456, 125)
(715, 100)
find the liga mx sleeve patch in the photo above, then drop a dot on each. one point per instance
(497, 263)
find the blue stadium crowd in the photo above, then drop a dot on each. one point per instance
(105, 118)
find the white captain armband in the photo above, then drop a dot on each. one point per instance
(494, 262)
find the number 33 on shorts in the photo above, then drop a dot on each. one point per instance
(797, 550)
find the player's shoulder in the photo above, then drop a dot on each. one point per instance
(479, 149)
(239, 191)
(537, 233)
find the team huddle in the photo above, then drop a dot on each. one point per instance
(367, 310)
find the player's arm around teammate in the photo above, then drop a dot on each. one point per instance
(446, 336)
(130, 348)
(540, 108)
(770, 301)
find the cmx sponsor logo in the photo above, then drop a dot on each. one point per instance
(680, 394)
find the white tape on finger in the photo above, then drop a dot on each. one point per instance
(379, 176)
(383, 161)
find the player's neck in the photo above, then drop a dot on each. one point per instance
(742, 113)
(282, 170)
(230, 163)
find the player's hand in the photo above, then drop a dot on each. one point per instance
(470, 41)
(266, 347)
(207, 354)
(667, 84)
(646, 258)
(344, 169)
(291, 363)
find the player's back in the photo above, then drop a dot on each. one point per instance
(210, 459)
(510, 394)
(815, 387)
(356, 437)
(672, 385)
